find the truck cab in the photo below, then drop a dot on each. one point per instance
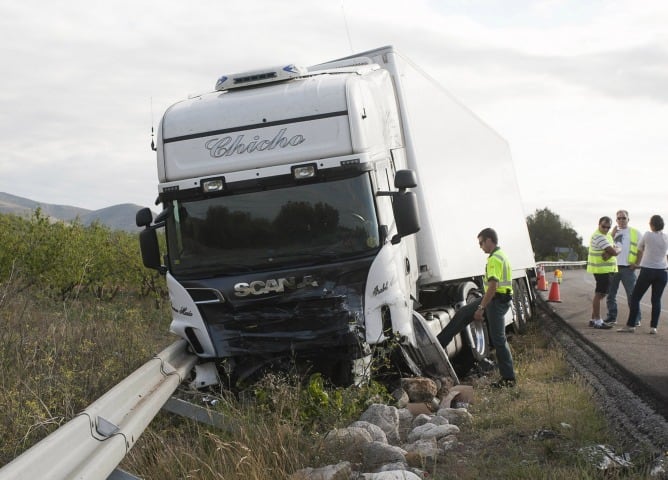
(288, 218)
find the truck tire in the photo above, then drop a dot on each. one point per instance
(529, 304)
(521, 317)
(478, 340)
(474, 334)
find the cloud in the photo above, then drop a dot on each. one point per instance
(578, 88)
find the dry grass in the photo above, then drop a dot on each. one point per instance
(262, 449)
(535, 430)
(57, 358)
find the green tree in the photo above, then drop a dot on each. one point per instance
(67, 260)
(547, 232)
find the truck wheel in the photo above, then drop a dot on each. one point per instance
(466, 293)
(474, 334)
(520, 323)
(529, 307)
(478, 339)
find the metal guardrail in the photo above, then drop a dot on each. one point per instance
(562, 264)
(93, 443)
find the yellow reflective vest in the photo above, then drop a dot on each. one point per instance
(498, 267)
(595, 262)
(634, 236)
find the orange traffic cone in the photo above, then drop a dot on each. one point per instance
(542, 283)
(554, 293)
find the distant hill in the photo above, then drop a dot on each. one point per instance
(116, 217)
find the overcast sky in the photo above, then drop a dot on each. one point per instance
(579, 88)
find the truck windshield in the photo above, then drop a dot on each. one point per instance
(296, 225)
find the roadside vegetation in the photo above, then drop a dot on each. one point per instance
(74, 325)
(67, 261)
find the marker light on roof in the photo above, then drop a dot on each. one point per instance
(221, 81)
(304, 171)
(214, 185)
(293, 69)
(269, 75)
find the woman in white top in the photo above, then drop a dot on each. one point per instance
(653, 261)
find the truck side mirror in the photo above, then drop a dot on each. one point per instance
(150, 250)
(405, 208)
(148, 238)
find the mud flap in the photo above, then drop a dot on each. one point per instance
(433, 360)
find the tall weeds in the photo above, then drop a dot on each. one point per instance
(58, 357)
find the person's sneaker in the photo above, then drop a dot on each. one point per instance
(610, 321)
(652, 331)
(626, 330)
(504, 383)
(604, 326)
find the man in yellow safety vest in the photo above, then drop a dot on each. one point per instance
(498, 285)
(602, 263)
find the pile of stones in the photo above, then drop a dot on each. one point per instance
(397, 442)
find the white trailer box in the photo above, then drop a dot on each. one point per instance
(466, 177)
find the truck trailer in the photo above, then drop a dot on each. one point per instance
(317, 216)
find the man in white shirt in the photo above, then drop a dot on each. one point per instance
(626, 240)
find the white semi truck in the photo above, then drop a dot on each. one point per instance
(315, 216)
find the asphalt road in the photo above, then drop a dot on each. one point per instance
(641, 354)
